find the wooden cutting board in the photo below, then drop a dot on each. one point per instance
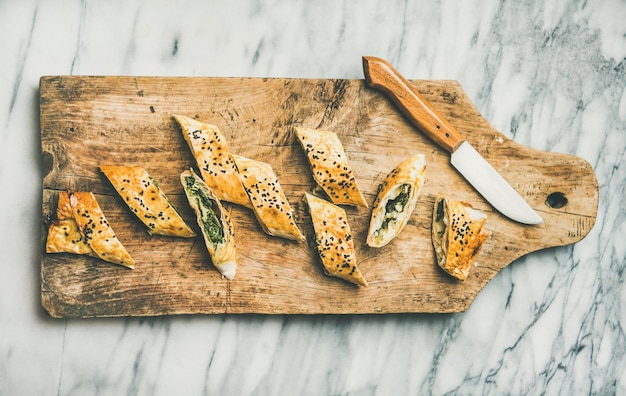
(88, 121)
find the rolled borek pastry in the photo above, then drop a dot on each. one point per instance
(457, 235)
(96, 230)
(214, 222)
(396, 200)
(146, 200)
(63, 232)
(270, 205)
(330, 166)
(209, 148)
(334, 242)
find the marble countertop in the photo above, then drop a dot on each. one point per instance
(550, 76)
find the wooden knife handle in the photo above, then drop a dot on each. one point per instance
(379, 74)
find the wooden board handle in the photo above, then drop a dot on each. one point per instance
(379, 74)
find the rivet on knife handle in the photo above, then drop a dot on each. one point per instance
(381, 75)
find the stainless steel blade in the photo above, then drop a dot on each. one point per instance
(492, 186)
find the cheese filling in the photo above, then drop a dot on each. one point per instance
(394, 208)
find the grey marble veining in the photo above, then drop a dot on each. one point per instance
(549, 75)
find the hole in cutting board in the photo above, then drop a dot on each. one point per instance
(556, 200)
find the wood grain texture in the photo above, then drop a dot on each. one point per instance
(90, 121)
(381, 75)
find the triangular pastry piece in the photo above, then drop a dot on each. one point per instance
(147, 201)
(396, 199)
(209, 148)
(457, 235)
(330, 167)
(63, 232)
(270, 205)
(214, 222)
(334, 242)
(96, 229)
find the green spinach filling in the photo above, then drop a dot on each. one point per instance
(211, 225)
(440, 223)
(396, 206)
(439, 216)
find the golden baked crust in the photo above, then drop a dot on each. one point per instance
(330, 166)
(63, 232)
(333, 238)
(96, 230)
(217, 169)
(395, 201)
(214, 222)
(270, 205)
(145, 199)
(457, 235)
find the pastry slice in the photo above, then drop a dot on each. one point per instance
(209, 148)
(268, 199)
(145, 199)
(214, 222)
(63, 233)
(330, 167)
(396, 199)
(334, 240)
(96, 230)
(457, 234)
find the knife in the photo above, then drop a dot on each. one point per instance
(379, 74)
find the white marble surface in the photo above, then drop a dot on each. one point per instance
(551, 76)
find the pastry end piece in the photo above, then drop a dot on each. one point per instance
(457, 235)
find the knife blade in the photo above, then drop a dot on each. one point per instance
(380, 75)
